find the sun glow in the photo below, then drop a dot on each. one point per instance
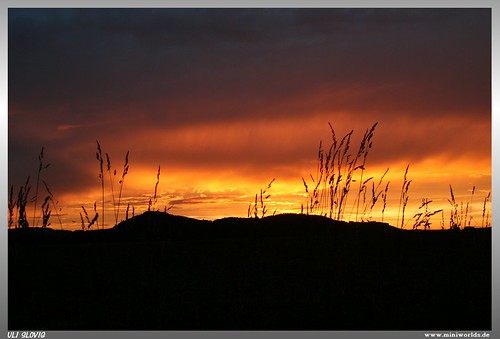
(212, 195)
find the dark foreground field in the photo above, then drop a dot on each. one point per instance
(288, 272)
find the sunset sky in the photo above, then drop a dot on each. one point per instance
(225, 100)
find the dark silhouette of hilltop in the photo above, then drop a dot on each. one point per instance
(158, 271)
(164, 225)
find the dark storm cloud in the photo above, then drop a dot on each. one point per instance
(118, 61)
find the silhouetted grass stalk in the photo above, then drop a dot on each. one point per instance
(403, 198)
(455, 216)
(40, 168)
(455, 221)
(124, 173)
(101, 177)
(46, 212)
(260, 202)
(376, 193)
(486, 199)
(462, 217)
(89, 221)
(111, 180)
(364, 148)
(362, 190)
(468, 209)
(53, 203)
(341, 159)
(14, 206)
(384, 199)
(22, 200)
(423, 218)
(152, 201)
(11, 206)
(82, 224)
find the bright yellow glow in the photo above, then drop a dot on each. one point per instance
(209, 195)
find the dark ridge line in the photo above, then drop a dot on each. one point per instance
(151, 226)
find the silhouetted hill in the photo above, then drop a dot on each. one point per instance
(158, 271)
(163, 225)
